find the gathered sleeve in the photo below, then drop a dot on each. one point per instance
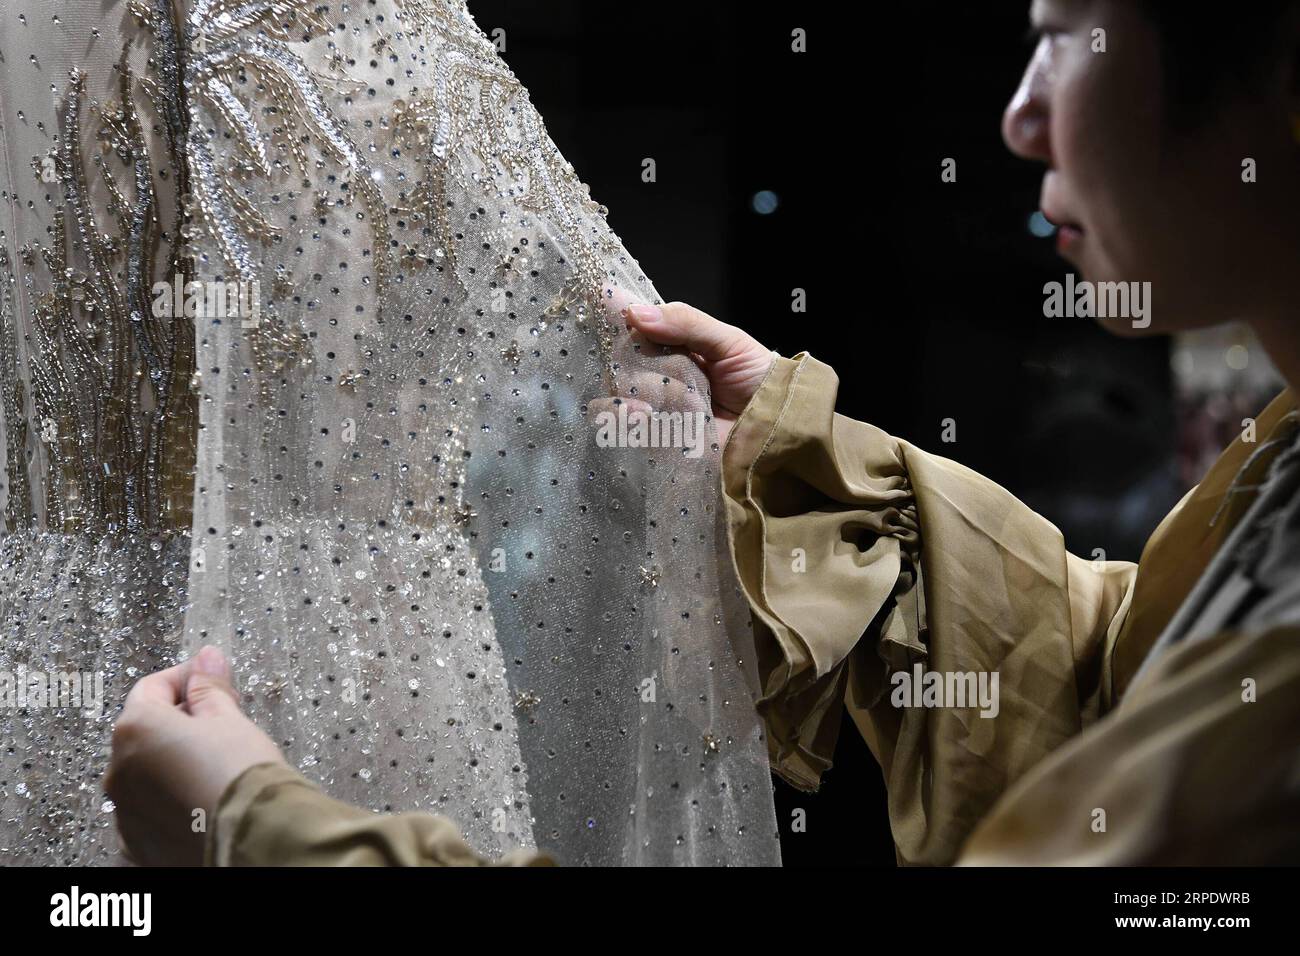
(869, 563)
(273, 816)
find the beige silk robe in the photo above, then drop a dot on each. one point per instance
(862, 556)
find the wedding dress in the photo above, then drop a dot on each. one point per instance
(376, 482)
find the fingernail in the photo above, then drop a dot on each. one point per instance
(648, 314)
(210, 661)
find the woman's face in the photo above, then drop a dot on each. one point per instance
(1134, 200)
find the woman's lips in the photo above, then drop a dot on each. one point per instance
(1068, 234)
(1067, 237)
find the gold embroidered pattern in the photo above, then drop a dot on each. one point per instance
(110, 398)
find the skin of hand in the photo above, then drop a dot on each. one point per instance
(180, 741)
(734, 362)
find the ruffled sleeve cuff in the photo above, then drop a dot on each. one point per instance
(825, 542)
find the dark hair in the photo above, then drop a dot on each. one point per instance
(1212, 54)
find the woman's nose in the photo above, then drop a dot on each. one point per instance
(1025, 122)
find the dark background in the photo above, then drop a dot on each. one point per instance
(925, 296)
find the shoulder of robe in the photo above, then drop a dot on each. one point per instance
(1181, 547)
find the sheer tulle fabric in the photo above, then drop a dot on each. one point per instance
(439, 588)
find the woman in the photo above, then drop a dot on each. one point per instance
(302, 313)
(1146, 714)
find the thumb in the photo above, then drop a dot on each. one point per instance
(208, 691)
(677, 323)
